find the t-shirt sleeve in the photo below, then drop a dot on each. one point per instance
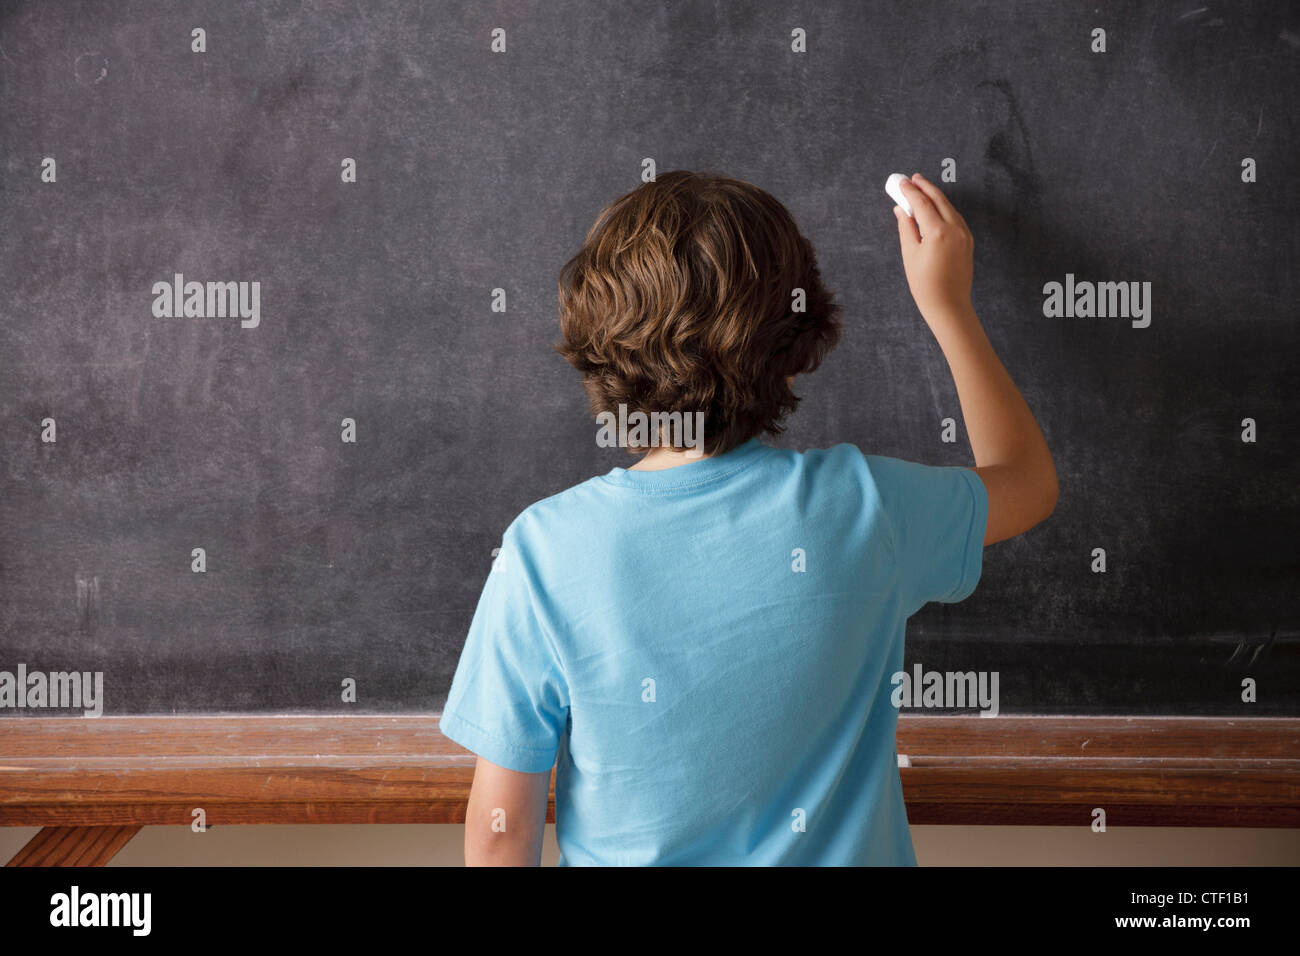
(938, 516)
(509, 701)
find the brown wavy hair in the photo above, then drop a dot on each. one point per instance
(681, 300)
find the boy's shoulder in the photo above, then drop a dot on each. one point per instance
(590, 500)
(843, 455)
(560, 510)
(845, 461)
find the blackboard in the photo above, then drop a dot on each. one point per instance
(479, 168)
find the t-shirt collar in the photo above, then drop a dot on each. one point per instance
(692, 473)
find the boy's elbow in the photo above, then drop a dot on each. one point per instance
(1039, 493)
(1050, 494)
(1020, 497)
(503, 852)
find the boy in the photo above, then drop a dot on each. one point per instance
(703, 645)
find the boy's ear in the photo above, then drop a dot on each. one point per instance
(789, 380)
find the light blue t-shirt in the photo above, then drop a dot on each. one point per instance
(705, 653)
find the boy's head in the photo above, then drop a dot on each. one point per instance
(696, 293)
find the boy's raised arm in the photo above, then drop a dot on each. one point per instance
(1011, 456)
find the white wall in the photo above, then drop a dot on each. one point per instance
(440, 844)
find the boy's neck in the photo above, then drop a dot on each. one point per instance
(660, 458)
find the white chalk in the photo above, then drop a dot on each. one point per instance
(904, 760)
(896, 192)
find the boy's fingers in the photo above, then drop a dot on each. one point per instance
(927, 216)
(907, 233)
(936, 196)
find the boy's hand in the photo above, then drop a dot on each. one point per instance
(939, 258)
